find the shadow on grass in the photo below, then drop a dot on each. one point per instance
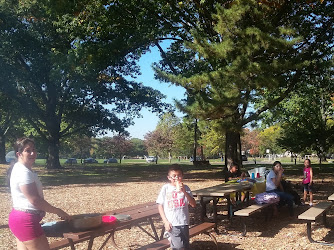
(120, 173)
(123, 173)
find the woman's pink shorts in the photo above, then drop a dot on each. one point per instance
(25, 226)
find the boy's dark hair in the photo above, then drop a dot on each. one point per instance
(175, 167)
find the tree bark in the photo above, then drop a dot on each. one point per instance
(52, 161)
(195, 143)
(232, 149)
(2, 149)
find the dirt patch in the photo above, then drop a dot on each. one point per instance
(278, 233)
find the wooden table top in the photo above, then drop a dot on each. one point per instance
(137, 213)
(331, 198)
(223, 189)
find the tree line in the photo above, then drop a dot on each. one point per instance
(173, 139)
(64, 68)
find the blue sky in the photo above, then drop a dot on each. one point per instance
(149, 121)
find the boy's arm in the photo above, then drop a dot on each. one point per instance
(311, 176)
(191, 199)
(167, 224)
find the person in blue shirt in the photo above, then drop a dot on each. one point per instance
(273, 184)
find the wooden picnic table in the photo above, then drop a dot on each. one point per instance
(331, 198)
(217, 192)
(137, 214)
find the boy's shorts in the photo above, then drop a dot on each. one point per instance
(179, 237)
(308, 188)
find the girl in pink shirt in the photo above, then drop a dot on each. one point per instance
(308, 181)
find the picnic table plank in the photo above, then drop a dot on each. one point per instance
(222, 189)
(247, 211)
(131, 208)
(311, 215)
(331, 198)
(136, 215)
(314, 212)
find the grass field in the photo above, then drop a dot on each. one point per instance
(132, 170)
(284, 160)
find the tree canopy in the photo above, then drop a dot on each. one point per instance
(238, 59)
(63, 63)
(308, 121)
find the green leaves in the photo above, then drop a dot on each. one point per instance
(62, 62)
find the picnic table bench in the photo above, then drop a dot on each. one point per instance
(193, 231)
(312, 214)
(248, 211)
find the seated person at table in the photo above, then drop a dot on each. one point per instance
(173, 201)
(234, 174)
(273, 184)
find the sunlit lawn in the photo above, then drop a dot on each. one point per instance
(132, 170)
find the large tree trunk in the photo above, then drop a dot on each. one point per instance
(195, 143)
(52, 161)
(2, 149)
(232, 149)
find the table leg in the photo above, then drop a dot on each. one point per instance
(155, 237)
(203, 208)
(153, 229)
(71, 244)
(229, 206)
(162, 233)
(90, 243)
(112, 234)
(113, 243)
(247, 197)
(215, 212)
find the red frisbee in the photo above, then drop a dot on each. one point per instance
(108, 219)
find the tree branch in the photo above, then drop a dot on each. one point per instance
(164, 56)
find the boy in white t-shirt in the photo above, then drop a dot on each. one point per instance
(173, 201)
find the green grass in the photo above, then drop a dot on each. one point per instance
(133, 170)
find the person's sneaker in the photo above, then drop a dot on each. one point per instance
(311, 204)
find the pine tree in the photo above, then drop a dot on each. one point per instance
(252, 57)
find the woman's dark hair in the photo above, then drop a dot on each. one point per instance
(21, 143)
(276, 162)
(19, 146)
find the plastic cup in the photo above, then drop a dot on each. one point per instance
(253, 175)
(258, 175)
(178, 188)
